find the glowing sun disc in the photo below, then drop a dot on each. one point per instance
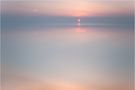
(78, 20)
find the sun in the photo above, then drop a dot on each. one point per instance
(78, 20)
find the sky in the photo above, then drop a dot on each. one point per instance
(50, 12)
(69, 7)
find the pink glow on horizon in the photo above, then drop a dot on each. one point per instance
(69, 8)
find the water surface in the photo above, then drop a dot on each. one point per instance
(67, 58)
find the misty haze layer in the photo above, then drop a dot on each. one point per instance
(67, 44)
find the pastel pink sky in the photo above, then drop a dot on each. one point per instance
(70, 7)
